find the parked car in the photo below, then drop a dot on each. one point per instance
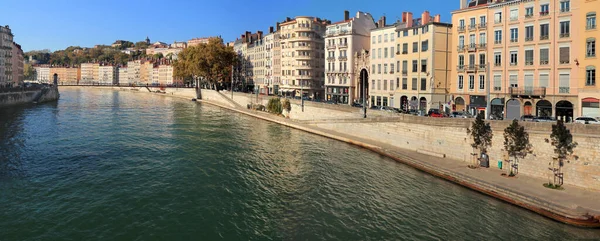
(586, 120)
(457, 114)
(527, 118)
(412, 112)
(435, 113)
(356, 104)
(375, 107)
(543, 119)
(388, 109)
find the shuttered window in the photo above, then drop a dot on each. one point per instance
(544, 80)
(497, 82)
(564, 55)
(529, 57)
(514, 81)
(543, 56)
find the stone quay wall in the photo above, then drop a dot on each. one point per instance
(445, 138)
(28, 96)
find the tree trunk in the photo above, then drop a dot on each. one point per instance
(198, 90)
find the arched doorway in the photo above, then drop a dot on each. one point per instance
(564, 111)
(590, 107)
(543, 108)
(413, 104)
(459, 104)
(423, 103)
(55, 78)
(363, 83)
(404, 102)
(527, 108)
(497, 111)
(513, 109)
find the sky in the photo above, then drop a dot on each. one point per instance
(57, 24)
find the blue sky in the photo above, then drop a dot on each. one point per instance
(57, 24)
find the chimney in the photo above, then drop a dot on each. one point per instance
(287, 19)
(425, 18)
(271, 29)
(383, 21)
(277, 28)
(248, 37)
(463, 4)
(437, 18)
(409, 19)
(346, 15)
(260, 34)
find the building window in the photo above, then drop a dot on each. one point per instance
(385, 68)
(405, 33)
(415, 66)
(482, 39)
(482, 60)
(565, 6)
(391, 68)
(424, 65)
(461, 23)
(544, 56)
(498, 36)
(385, 38)
(404, 83)
(529, 33)
(590, 76)
(379, 38)
(497, 82)
(472, 23)
(528, 12)
(373, 41)
(565, 29)
(498, 17)
(391, 37)
(385, 53)
(404, 66)
(384, 84)
(373, 68)
(482, 21)
(544, 9)
(471, 82)
(514, 14)
(529, 57)
(424, 45)
(373, 53)
(379, 68)
(405, 48)
(414, 84)
(379, 53)
(415, 47)
(564, 57)
(513, 81)
(514, 58)
(590, 47)
(425, 29)
(461, 82)
(591, 20)
(423, 84)
(497, 59)
(391, 52)
(514, 34)
(544, 31)
(461, 61)
(379, 84)
(391, 85)
(461, 41)
(482, 82)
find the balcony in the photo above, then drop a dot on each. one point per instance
(565, 10)
(330, 59)
(331, 46)
(472, 27)
(482, 67)
(460, 68)
(404, 72)
(404, 52)
(514, 63)
(482, 46)
(472, 47)
(529, 63)
(498, 42)
(461, 29)
(528, 39)
(497, 88)
(343, 58)
(529, 15)
(564, 90)
(564, 35)
(543, 62)
(565, 61)
(527, 92)
(460, 48)
(482, 26)
(544, 13)
(471, 68)
(343, 45)
(497, 64)
(514, 40)
(590, 27)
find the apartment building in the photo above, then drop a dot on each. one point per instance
(122, 78)
(302, 57)
(89, 72)
(17, 64)
(342, 40)
(529, 45)
(43, 73)
(6, 42)
(133, 71)
(256, 56)
(146, 71)
(165, 74)
(276, 62)
(382, 77)
(244, 73)
(203, 40)
(108, 74)
(267, 87)
(589, 91)
(65, 75)
(423, 57)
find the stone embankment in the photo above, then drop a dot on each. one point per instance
(30, 95)
(441, 147)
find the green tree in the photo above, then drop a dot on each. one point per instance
(141, 45)
(562, 141)
(516, 143)
(274, 106)
(481, 132)
(28, 72)
(158, 56)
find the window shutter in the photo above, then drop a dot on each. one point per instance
(563, 80)
(497, 81)
(564, 55)
(544, 80)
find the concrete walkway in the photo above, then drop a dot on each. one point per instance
(573, 205)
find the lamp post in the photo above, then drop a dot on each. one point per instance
(487, 90)
(302, 94)
(364, 100)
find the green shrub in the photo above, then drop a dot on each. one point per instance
(274, 106)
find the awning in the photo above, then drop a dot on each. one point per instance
(590, 100)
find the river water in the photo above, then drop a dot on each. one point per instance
(108, 165)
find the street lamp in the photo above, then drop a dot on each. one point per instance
(302, 94)
(364, 101)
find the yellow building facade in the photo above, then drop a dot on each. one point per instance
(589, 93)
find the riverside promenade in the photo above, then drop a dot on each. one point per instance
(573, 205)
